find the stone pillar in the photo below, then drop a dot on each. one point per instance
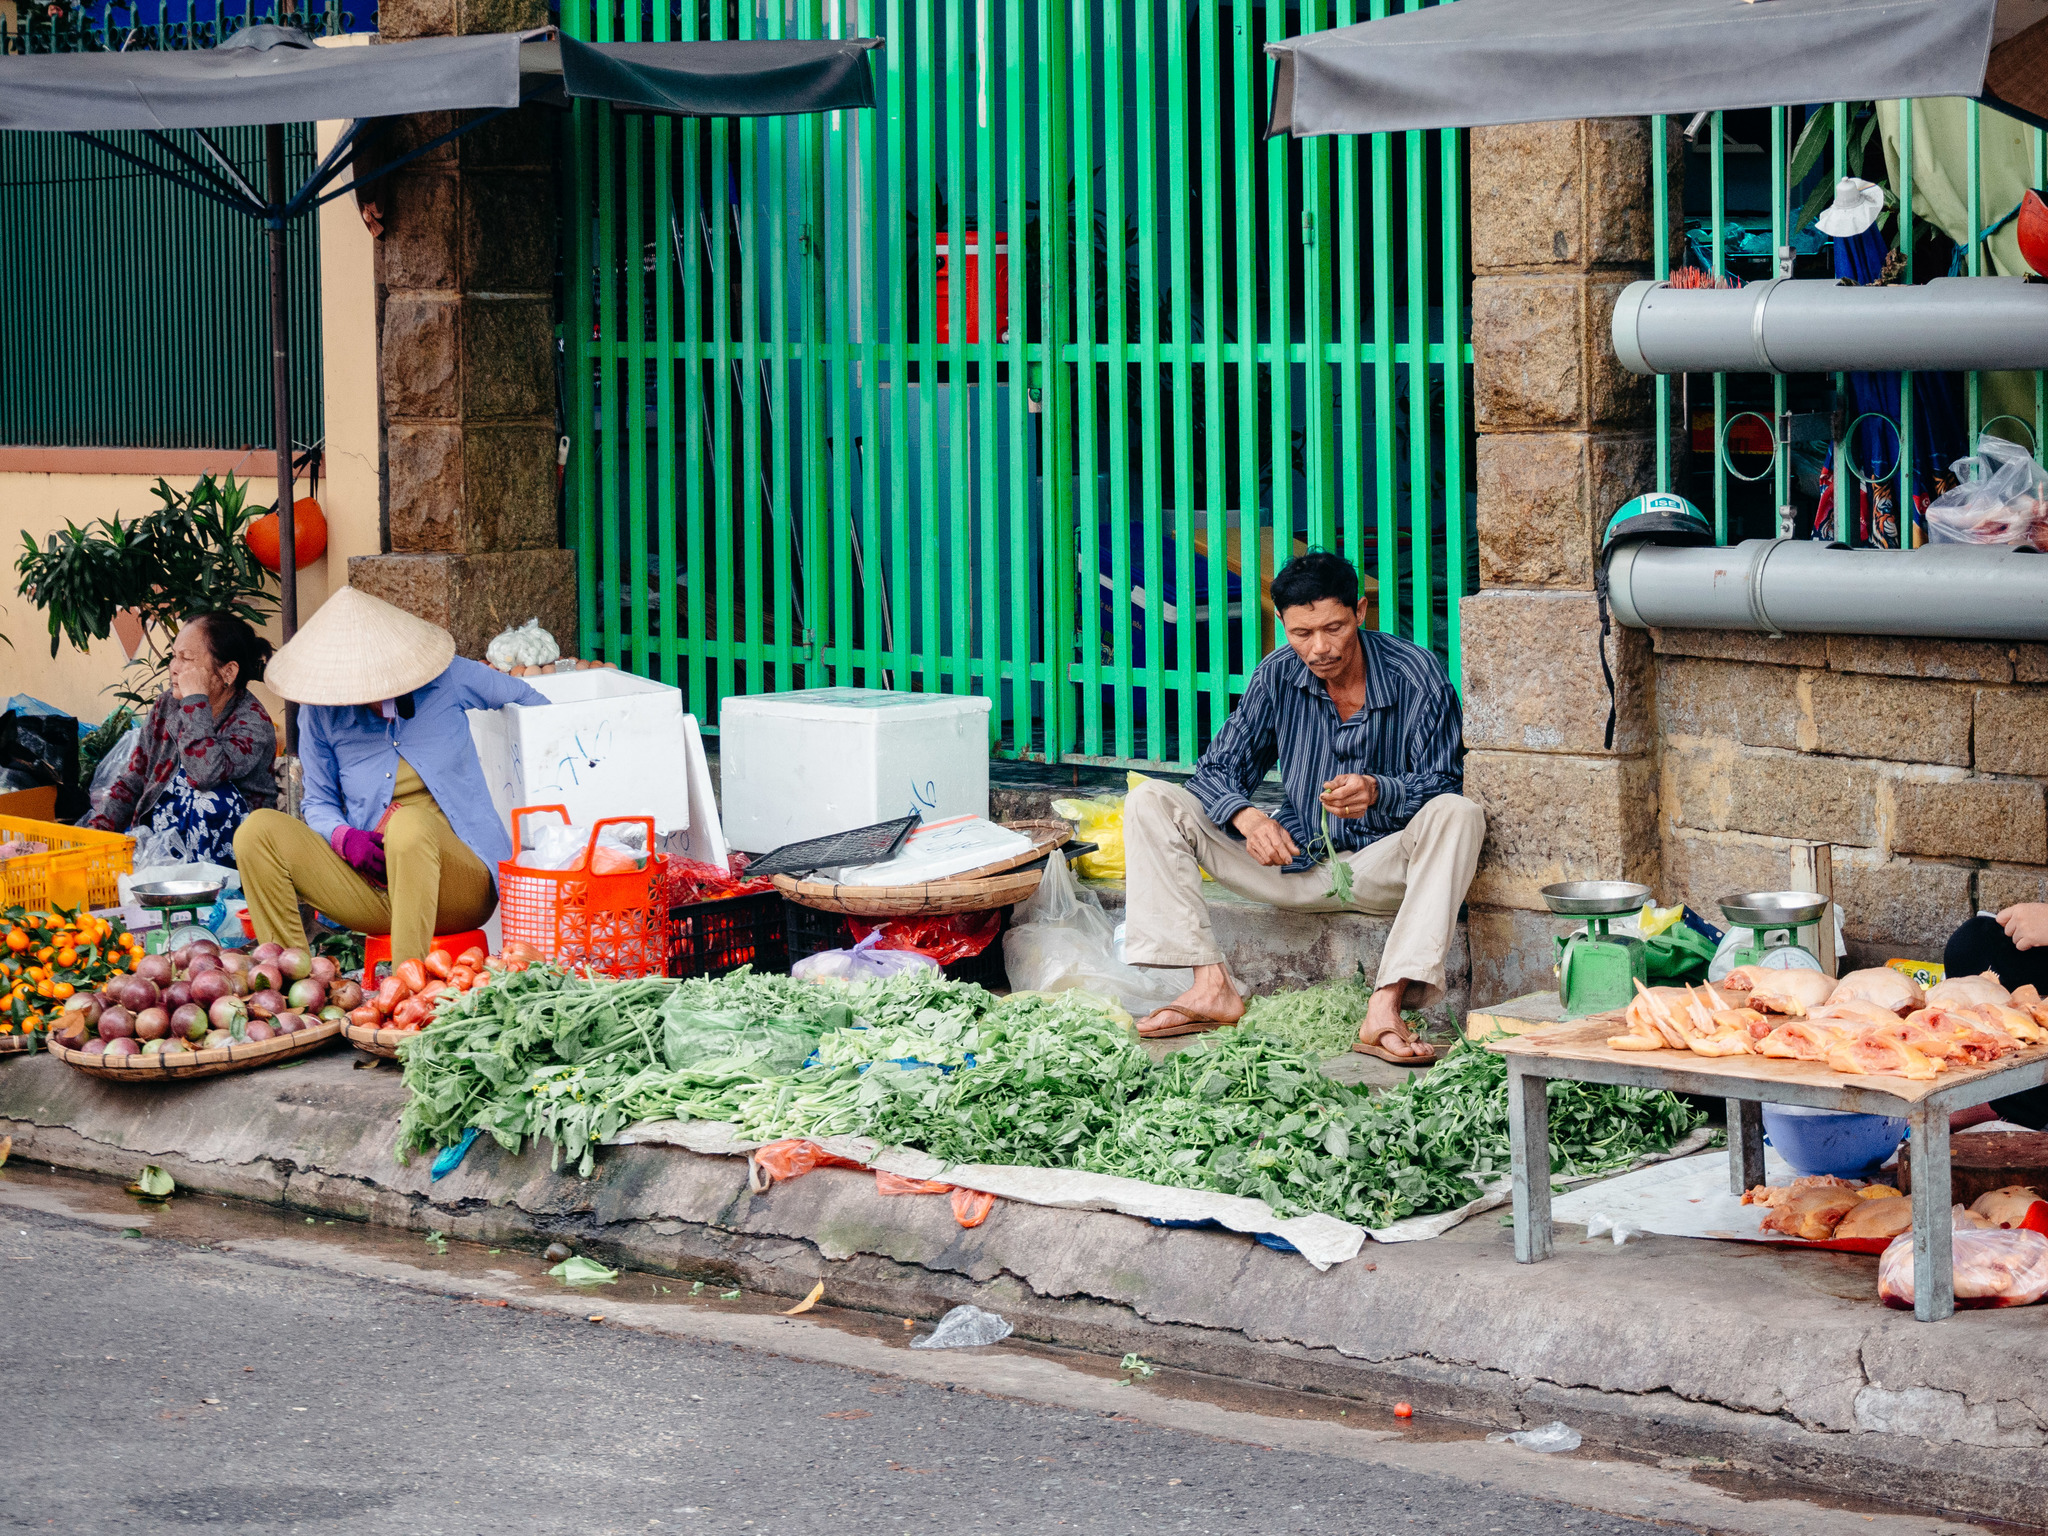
(1561, 221)
(465, 268)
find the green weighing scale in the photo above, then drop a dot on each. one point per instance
(181, 902)
(1597, 971)
(1774, 919)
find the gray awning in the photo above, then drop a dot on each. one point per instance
(275, 75)
(1475, 62)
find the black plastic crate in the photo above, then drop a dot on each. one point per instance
(710, 938)
(812, 932)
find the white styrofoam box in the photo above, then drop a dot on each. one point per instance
(821, 760)
(609, 744)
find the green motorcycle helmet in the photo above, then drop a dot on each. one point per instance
(1658, 518)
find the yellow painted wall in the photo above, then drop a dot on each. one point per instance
(38, 503)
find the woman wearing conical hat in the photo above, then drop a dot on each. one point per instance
(400, 835)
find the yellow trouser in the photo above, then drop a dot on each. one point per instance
(436, 884)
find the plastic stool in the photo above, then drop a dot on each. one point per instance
(377, 947)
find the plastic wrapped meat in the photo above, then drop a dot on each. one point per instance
(1887, 988)
(2008, 1207)
(1992, 1269)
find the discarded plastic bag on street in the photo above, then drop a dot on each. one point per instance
(866, 961)
(1998, 1267)
(1603, 1225)
(887, 1183)
(790, 1159)
(965, 1327)
(1060, 939)
(971, 1208)
(1554, 1436)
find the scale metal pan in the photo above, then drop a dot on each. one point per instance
(177, 893)
(1595, 898)
(1774, 909)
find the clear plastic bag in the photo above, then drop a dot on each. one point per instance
(1552, 1437)
(1993, 1268)
(1060, 940)
(2002, 498)
(112, 765)
(866, 961)
(1100, 822)
(964, 1327)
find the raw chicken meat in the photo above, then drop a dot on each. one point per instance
(1992, 1269)
(2006, 1207)
(1803, 1040)
(1881, 985)
(1812, 1212)
(1766, 1194)
(1975, 1036)
(1967, 991)
(1861, 1056)
(1774, 991)
(1853, 1011)
(1938, 1044)
(1877, 1218)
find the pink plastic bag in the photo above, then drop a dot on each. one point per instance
(1995, 1268)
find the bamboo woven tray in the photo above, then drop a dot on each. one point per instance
(1001, 884)
(158, 1068)
(11, 1044)
(377, 1042)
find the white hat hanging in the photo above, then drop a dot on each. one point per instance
(1855, 208)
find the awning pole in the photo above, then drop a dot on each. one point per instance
(281, 403)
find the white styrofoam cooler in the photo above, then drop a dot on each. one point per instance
(610, 744)
(822, 760)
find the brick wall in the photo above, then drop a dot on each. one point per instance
(1920, 762)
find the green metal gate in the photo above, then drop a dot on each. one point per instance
(1023, 383)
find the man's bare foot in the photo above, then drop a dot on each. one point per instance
(1385, 1033)
(1209, 1004)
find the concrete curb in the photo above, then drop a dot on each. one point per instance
(1780, 1363)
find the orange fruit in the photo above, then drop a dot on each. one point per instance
(67, 958)
(17, 940)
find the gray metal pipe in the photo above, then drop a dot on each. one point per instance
(1807, 325)
(1794, 586)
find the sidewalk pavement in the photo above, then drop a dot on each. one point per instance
(1782, 1364)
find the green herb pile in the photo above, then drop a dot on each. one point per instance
(1036, 1080)
(1322, 1021)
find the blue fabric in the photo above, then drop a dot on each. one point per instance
(350, 756)
(1409, 736)
(192, 826)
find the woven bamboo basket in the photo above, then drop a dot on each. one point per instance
(376, 1042)
(158, 1068)
(15, 1044)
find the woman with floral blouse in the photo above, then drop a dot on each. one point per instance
(203, 762)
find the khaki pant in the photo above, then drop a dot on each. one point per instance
(1417, 875)
(437, 884)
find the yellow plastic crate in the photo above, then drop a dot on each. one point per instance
(83, 866)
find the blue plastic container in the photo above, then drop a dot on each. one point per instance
(1831, 1140)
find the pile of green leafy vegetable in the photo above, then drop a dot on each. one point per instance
(1038, 1080)
(1321, 1020)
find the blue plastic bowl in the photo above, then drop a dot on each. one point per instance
(1830, 1140)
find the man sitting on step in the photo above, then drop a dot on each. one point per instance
(1366, 731)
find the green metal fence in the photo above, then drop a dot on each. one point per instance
(1023, 383)
(1755, 449)
(135, 313)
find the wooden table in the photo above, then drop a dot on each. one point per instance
(1580, 1051)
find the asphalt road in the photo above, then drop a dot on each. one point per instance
(148, 1385)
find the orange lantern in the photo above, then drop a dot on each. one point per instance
(309, 535)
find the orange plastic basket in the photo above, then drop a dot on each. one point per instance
(81, 868)
(614, 924)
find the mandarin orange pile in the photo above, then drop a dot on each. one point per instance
(46, 957)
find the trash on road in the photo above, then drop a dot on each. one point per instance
(964, 1327)
(1554, 1436)
(577, 1270)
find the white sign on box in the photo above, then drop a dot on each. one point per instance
(822, 760)
(608, 744)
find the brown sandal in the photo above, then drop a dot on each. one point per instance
(1190, 1024)
(1426, 1057)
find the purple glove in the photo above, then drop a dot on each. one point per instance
(362, 851)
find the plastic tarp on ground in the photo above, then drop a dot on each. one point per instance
(1475, 62)
(1322, 1240)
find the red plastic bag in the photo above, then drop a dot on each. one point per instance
(691, 881)
(897, 1184)
(946, 939)
(971, 1206)
(1994, 1267)
(794, 1158)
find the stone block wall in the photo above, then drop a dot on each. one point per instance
(1920, 762)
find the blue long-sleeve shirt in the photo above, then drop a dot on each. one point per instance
(1409, 736)
(349, 754)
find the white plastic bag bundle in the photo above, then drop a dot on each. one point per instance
(864, 962)
(965, 1327)
(1061, 939)
(2002, 499)
(112, 764)
(557, 845)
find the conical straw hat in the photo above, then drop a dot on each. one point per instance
(357, 649)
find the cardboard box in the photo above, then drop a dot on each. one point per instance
(822, 760)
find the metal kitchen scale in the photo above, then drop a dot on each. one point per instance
(1597, 971)
(1774, 920)
(181, 902)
